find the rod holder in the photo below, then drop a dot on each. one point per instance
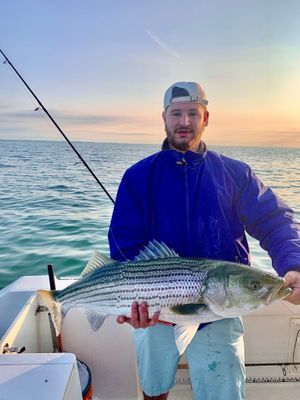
(51, 277)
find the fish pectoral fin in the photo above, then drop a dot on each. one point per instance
(184, 335)
(95, 318)
(192, 308)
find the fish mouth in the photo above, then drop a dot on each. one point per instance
(284, 292)
(279, 294)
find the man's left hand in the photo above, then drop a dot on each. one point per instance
(292, 280)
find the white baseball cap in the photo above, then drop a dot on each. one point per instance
(185, 91)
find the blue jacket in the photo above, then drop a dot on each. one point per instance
(200, 205)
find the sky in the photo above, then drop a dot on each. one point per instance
(101, 68)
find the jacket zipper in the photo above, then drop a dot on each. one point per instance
(184, 163)
(187, 207)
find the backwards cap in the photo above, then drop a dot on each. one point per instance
(185, 91)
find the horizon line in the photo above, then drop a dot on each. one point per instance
(145, 144)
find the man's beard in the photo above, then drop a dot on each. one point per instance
(181, 145)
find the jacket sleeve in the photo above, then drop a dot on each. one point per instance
(127, 230)
(268, 219)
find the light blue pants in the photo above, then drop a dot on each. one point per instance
(215, 357)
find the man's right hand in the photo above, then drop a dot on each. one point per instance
(140, 318)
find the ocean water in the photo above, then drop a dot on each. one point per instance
(53, 212)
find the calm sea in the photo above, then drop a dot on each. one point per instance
(53, 212)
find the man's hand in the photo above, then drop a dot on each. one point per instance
(292, 280)
(139, 317)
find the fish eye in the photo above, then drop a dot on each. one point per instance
(255, 285)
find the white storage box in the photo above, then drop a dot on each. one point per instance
(47, 376)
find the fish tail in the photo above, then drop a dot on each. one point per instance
(46, 297)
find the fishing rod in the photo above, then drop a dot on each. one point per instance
(56, 125)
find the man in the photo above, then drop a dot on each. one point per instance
(199, 203)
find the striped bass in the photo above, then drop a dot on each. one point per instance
(185, 291)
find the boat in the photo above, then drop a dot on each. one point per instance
(103, 362)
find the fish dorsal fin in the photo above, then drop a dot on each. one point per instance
(184, 335)
(98, 260)
(154, 250)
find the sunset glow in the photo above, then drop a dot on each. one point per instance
(102, 68)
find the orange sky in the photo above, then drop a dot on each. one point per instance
(105, 84)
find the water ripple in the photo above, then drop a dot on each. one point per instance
(53, 212)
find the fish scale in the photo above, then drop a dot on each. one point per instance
(131, 278)
(135, 289)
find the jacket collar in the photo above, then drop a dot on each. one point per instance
(191, 157)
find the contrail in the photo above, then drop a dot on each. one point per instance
(162, 44)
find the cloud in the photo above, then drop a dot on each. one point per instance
(138, 134)
(257, 138)
(83, 119)
(67, 117)
(80, 126)
(286, 138)
(6, 106)
(161, 44)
